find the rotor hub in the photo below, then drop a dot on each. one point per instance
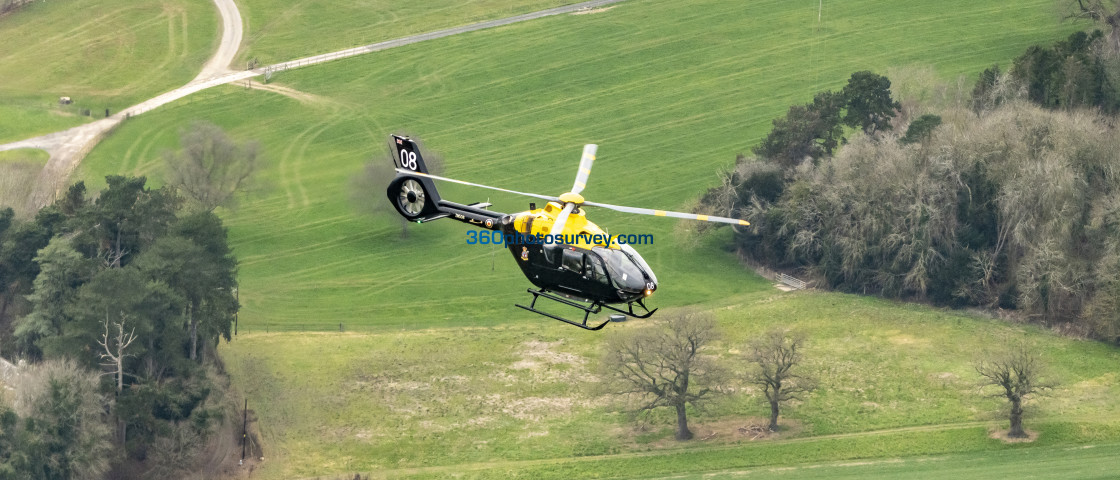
(571, 197)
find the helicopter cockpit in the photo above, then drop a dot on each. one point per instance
(628, 270)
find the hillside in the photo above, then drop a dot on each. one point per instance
(512, 107)
(896, 381)
(103, 54)
(671, 92)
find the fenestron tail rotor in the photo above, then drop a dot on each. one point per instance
(412, 197)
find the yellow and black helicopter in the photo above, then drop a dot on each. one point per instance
(571, 260)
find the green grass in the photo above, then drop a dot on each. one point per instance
(103, 54)
(960, 454)
(670, 91)
(1085, 462)
(277, 31)
(22, 118)
(19, 169)
(512, 107)
(25, 155)
(896, 381)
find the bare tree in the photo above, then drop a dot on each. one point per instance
(114, 349)
(1018, 374)
(663, 366)
(1106, 12)
(211, 167)
(776, 354)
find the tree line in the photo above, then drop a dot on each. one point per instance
(7, 6)
(1009, 201)
(117, 301)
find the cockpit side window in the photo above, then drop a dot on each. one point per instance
(595, 269)
(573, 260)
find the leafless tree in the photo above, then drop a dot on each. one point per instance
(1106, 12)
(1018, 373)
(114, 349)
(663, 365)
(776, 354)
(211, 167)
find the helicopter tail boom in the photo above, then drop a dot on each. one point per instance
(414, 194)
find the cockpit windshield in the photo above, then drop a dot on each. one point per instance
(624, 272)
(640, 261)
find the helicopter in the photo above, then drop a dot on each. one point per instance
(570, 260)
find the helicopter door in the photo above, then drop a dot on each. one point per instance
(593, 269)
(573, 260)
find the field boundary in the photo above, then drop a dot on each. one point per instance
(515, 465)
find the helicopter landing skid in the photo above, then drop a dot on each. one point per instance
(587, 311)
(630, 309)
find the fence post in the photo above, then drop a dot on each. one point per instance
(244, 430)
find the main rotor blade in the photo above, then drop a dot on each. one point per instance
(452, 180)
(584, 167)
(665, 213)
(561, 220)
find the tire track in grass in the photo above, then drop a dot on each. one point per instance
(301, 157)
(313, 272)
(63, 37)
(676, 82)
(278, 255)
(122, 165)
(110, 69)
(143, 157)
(169, 52)
(293, 230)
(186, 35)
(670, 107)
(285, 160)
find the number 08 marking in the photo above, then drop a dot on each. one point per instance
(408, 159)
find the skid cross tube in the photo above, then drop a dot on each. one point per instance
(630, 308)
(587, 311)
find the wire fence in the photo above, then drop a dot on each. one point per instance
(335, 327)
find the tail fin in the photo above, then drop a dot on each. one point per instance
(408, 155)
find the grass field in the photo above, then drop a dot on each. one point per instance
(896, 380)
(277, 31)
(1083, 462)
(19, 169)
(671, 92)
(512, 107)
(103, 54)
